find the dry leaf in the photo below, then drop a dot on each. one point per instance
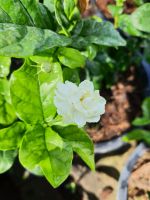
(83, 5)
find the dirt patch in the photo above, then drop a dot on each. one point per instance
(129, 7)
(123, 105)
(139, 182)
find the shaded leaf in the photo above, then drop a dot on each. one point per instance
(145, 120)
(100, 33)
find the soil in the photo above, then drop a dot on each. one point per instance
(123, 105)
(87, 8)
(139, 182)
(129, 7)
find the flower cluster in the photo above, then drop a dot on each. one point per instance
(79, 104)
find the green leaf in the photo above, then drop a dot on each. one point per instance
(4, 66)
(32, 92)
(25, 12)
(71, 57)
(71, 75)
(27, 41)
(36, 171)
(45, 148)
(145, 120)
(138, 135)
(7, 113)
(70, 9)
(141, 122)
(61, 18)
(79, 141)
(6, 160)
(126, 24)
(11, 136)
(146, 108)
(100, 33)
(140, 18)
(49, 4)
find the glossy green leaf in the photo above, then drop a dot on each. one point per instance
(25, 12)
(27, 41)
(6, 160)
(4, 66)
(7, 113)
(79, 141)
(11, 136)
(138, 135)
(43, 147)
(141, 17)
(32, 92)
(71, 57)
(100, 33)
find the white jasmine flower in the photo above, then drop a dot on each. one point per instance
(79, 104)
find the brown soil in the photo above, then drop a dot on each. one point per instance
(139, 182)
(123, 105)
(129, 7)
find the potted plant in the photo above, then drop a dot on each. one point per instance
(138, 161)
(50, 38)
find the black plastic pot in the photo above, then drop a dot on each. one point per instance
(117, 143)
(126, 172)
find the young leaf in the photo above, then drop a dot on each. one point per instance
(6, 160)
(7, 113)
(61, 18)
(43, 147)
(140, 18)
(71, 57)
(11, 136)
(32, 92)
(138, 135)
(27, 41)
(4, 66)
(79, 141)
(70, 9)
